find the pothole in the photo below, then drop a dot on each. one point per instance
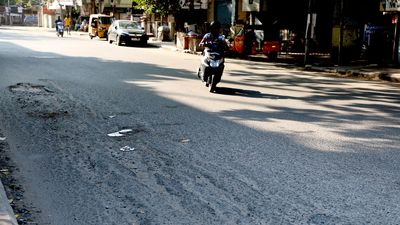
(29, 88)
(40, 101)
(48, 115)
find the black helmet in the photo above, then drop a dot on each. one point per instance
(215, 25)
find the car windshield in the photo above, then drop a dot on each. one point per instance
(105, 20)
(129, 25)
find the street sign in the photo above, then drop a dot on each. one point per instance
(199, 4)
(251, 5)
(389, 5)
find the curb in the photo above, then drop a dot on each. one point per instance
(173, 48)
(375, 75)
(7, 216)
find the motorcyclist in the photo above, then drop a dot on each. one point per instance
(213, 39)
(57, 21)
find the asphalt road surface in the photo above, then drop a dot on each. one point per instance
(275, 145)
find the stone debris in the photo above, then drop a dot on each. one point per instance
(185, 140)
(127, 149)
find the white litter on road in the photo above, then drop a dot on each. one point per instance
(3, 138)
(116, 134)
(127, 149)
(125, 131)
(120, 133)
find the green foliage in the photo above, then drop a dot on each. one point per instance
(35, 2)
(5, 2)
(163, 7)
(25, 3)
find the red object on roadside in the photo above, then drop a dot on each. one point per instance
(268, 48)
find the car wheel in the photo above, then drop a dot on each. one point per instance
(118, 40)
(273, 55)
(109, 39)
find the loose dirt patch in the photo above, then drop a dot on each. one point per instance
(39, 101)
(14, 190)
(28, 88)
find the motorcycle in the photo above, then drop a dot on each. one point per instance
(212, 64)
(60, 29)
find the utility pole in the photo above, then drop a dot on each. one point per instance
(61, 11)
(234, 13)
(9, 12)
(395, 55)
(308, 33)
(341, 26)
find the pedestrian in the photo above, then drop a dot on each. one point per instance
(76, 25)
(67, 23)
(83, 25)
(249, 39)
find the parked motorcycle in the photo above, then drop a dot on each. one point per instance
(212, 64)
(60, 29)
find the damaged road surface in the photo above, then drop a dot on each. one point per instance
(102, 135)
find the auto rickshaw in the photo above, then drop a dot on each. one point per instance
(252, 40)
(98, 25)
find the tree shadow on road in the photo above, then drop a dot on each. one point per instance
(211, 164)
(246, 93)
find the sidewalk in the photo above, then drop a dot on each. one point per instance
(366, 72)
(168, 45)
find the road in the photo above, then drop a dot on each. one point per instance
(275, 145)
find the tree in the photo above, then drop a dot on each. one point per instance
(163, 7)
